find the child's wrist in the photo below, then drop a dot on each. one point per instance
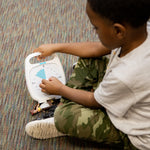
(61, 89)
(54, 48)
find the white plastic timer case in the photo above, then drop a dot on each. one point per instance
(34, 74)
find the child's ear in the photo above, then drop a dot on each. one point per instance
(119, 30)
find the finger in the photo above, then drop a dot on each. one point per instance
(44, 81)
(40, 57)
(52, 78)
(43, 90)
(37, 50)
(42, 86)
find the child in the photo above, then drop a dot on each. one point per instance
(114, 109)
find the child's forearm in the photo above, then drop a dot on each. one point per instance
(87, 49)
(79, 96)
(54, 87)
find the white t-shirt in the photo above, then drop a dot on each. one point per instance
(125, 93)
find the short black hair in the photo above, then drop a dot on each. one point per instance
(134, 12)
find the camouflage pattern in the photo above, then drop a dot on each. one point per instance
(86, 123)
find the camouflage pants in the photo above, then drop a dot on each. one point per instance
(86, 123)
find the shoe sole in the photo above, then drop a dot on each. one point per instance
(42, 130)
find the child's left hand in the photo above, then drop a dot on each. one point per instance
(51, 86)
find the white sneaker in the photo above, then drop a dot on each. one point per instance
(42, 129)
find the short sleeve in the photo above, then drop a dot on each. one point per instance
(114, 95)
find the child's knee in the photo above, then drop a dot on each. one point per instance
(60, 116)
(66, 117)
(57, 117)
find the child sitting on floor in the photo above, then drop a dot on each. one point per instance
(104, 104)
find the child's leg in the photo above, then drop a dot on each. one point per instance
(90, 124)
(76, 120)
(88, 73)
(79, 121)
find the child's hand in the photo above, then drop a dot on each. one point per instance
(51, 86)
(45, 50)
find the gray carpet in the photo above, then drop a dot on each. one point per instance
(24, 25)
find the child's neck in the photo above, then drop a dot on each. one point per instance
(134, 38)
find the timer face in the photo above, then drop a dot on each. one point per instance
(35, 72)
(44, 71)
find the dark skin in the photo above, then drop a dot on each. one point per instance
(115, 35)
(112, 35)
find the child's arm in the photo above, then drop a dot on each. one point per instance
(54, 86)
(87, 49)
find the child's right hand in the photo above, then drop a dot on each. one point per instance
(45, 50)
